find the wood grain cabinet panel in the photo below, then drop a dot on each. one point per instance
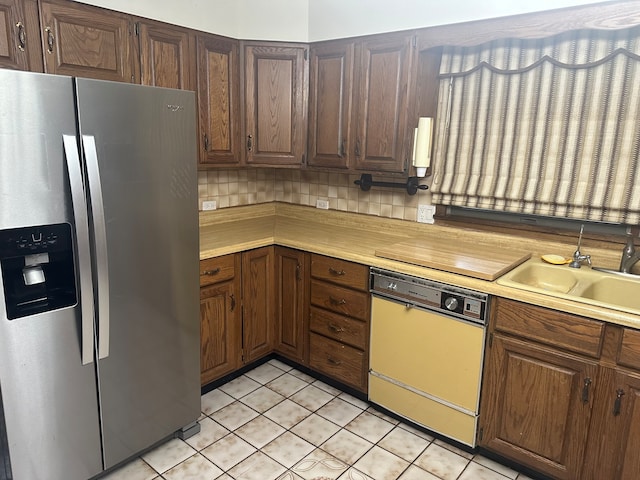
(258, 299)
(275, 85)
(165, 55)
(537, 406)
(220, 318)
(292, 285)
(382, 140)
(340, 320)
(359, 103)
(330, 104)
(20, 47)
(218, 76)
(614, 439)
(342, 362)
(86, 41)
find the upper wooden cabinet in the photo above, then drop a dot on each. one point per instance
(166, 55)
(20, 47)
(330, 100)
(275, 86)
(382, 139)
(85, 41)
(219, 100)
(359, 103)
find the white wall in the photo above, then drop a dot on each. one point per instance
(312, 20)
(246, 19)
(344, 18)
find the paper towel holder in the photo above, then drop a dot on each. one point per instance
(422, 137)
(412, 185)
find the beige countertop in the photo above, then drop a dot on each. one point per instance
(356, 238)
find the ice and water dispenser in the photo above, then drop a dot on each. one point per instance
(37, 269)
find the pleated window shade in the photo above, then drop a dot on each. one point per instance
(546, 126)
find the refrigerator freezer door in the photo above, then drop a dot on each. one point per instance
(146, 162)
(49, 399)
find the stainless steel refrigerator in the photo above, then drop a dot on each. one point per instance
(99, 322)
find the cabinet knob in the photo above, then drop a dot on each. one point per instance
(335, 301)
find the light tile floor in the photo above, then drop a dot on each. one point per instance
(276, 422)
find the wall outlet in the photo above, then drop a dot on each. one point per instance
(209, 205)
(323, 204)
(425, 213)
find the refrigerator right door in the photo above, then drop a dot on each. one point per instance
(139, 146)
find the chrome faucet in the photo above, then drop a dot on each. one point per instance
(629, 254)
(578, 258)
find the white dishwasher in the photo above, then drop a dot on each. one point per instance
(427, 351)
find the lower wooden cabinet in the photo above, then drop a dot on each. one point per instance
(561, 393)
(292, 286)
(537, 405)
(311, 309)
(220, 317)
(258, 301)
(340, 306)
(236, 311)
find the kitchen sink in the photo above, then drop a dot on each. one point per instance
(603, 288)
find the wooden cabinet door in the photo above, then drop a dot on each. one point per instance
(614, 439)
(20, 47)
(258, 295)
(165, 55)
(86, 41)
(382, 141)
(220, 330)
(330, 99)
(536, 406)
(292, 267)
(275, 104)
(219, 100)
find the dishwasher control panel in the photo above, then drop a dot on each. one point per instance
(419, 292)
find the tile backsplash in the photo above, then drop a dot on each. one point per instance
(236, 187)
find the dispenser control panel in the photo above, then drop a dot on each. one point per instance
(35, 239)
(37, 267)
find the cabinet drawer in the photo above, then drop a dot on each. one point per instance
(340, 328)
(563, 330)
(340, 272)
(218, 269)
(337, 360)
(340, 300)
(629, 354)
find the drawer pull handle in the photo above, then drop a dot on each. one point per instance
(335, 301)
(585, 390)
(335, 328)
(333, 361)
(333, 271)
(618, 403)
(213, 272)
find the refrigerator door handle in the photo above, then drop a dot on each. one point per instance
(82, 236)
(100, 239)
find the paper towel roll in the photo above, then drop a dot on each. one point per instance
(422, 145)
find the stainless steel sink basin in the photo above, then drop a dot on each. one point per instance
(595, 287)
